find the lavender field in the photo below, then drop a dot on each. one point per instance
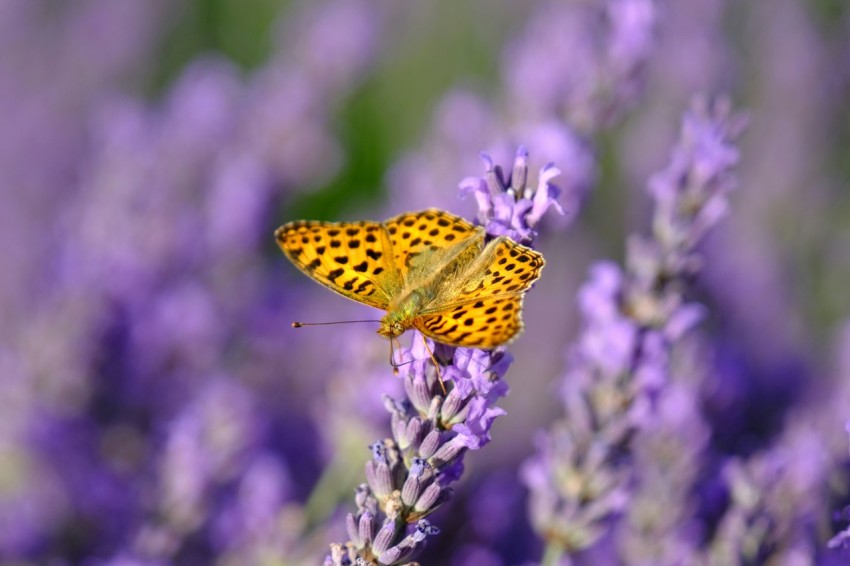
(680, 394)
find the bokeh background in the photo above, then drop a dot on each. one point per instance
(155, 405)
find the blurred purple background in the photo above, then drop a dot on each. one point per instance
(158, 408)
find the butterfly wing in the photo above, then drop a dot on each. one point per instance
(504, 267)
(483, 323)
(420, 234)
(484, 308)
(352, 258)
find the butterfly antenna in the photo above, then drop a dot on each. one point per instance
(436, 365)
(301, 324)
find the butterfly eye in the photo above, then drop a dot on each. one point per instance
(398, 329)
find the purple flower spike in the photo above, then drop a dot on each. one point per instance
(777, 499)
(519, 175)
(410, 479)
(582, 479)
(513, 209)
(583, 61)
(841, 540)
(545, 196)
(424, 529)
(409, 475)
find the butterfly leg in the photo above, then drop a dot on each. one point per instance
(392, 357)
(436, 365)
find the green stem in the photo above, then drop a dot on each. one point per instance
(339, 478)
(326, 494)
(552, 554)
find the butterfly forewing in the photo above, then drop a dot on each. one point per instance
(415, 233)
(503, 267)
(351, 258)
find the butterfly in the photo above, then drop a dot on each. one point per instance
(428, 270)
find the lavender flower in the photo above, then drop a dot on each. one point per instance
(841, 540)
(581, 479)
(777, 500)
(409, 475)
(506, 205)
(661, 524)
(594, 54)
(825, 413)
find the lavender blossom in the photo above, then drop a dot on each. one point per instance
(826, 412)
(506, 205)
(581, 479)
(777, 500)
(594, 55)
(409, 475)
(661, 524)
(841, 540)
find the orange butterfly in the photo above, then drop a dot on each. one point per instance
(428, 270)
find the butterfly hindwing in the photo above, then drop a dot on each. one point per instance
(504, 267)
(350, 258)
(485, 309)
(415, 233)
(484, 323)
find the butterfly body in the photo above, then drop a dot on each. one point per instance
(428, 270)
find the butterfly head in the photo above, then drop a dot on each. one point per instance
(394, 324)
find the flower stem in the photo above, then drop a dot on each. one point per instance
(552, 554)
(326, 494)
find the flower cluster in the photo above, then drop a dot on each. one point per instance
(581, 478)
(409, 475)
(506, 205)
(842, 539)
(582, 61)
(776, 505)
